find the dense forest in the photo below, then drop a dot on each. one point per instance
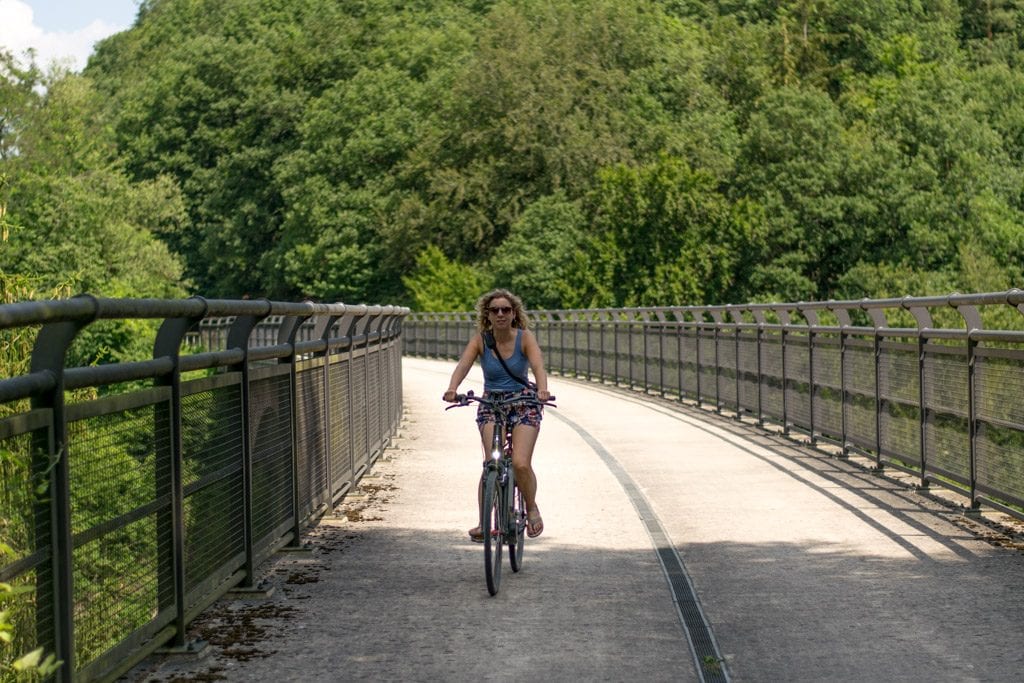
(581, 152)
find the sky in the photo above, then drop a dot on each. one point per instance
(62, 30)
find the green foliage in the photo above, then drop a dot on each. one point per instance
(664, 235)
(20, 492)
(319, 149)
(540, 260)
(439, 284)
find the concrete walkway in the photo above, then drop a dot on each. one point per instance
(802, 567)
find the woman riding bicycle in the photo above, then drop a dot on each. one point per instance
(500, 313)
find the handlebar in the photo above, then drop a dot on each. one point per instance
(462, 400)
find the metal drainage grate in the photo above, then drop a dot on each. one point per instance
(707, 659)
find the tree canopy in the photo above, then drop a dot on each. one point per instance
(580, 152)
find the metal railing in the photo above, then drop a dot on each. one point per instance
(917, 384)
(135, 494)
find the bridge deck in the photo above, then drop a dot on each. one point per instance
(805, 567)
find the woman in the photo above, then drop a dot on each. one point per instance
(501, 313)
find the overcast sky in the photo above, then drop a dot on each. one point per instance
(63, 30)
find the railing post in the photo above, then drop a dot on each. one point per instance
(661, 352)
(644, 327)
(48, 355)
(322, 330)
(171, 561)
(587, 321)
(924, 323)
(844, 322)
(349, 334)
(615, 344)
(879, 322)
(575, 356)
(698, 320)
(717, 318)
(811, 317)
(784, 321)
(381, 387)
(734, 317)
(759, 319)
(679, 325)
(974, 324)
(923, 412)
(238, 337)
(972, 419)
(287, 335)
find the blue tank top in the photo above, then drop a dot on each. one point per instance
(495, 377)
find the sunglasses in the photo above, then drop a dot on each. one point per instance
(504, 310)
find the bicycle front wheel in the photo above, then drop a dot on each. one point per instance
(516, 528)
(492, 524)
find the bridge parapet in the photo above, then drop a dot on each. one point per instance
(135, 493)
(928, 385)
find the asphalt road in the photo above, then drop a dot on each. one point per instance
(679, 545)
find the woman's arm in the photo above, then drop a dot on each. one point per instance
(469, 355)
(536, 359)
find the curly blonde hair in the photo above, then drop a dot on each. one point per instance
(519, 317)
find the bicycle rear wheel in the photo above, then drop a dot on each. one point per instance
(492, 524)
(516, 527)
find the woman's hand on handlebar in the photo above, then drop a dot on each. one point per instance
(450, 396)
(543, 396)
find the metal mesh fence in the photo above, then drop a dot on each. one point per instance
(797, 383)
(728, 373)
(211, 423)
(1000, 436)
(669, 356)
(771, 376)
(707, 367)
(341, 431)
(946, 394)
(117, 462)
(182, 474)
(25, 531)
(270, 438)
(860, 406)
(914, 398)
(827, 386)
(749, 388)
(310, 447)
(900, 414)
(373, 404)
(359, 409)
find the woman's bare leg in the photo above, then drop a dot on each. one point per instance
(486, 434)
(524, 438)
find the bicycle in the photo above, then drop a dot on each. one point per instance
(502, 511)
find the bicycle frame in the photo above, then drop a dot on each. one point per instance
(502, 511)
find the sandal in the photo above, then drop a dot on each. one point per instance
(476, 535)
(535, 525)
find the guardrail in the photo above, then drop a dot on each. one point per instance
(128, 512)
(917, 384)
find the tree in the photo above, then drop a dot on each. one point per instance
(552, 94)
(73, 221)
(539, 259)
(439, 284)
(663, 235)
(793, 163)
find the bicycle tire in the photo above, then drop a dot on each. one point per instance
(492, 524)
(517, 528)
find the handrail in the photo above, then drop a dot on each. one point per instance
(184, 469)
(939, 401)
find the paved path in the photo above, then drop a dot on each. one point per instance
(803, 567)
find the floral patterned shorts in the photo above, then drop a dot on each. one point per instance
(518, 414)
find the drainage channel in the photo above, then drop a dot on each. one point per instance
(707, 659)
